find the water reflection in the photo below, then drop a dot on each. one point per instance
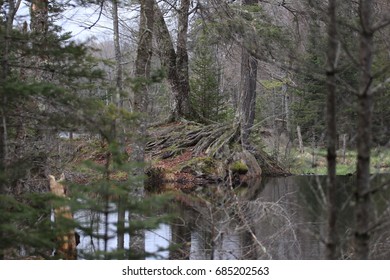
(95, 242)
(284, 218)
(157, 242)
(278, 218)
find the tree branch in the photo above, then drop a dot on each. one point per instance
(100, 14)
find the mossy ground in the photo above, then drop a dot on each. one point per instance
(239, 167)
(315, 162)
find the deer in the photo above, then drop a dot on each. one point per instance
(66, 243)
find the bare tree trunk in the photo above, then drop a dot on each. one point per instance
(144, 53)
(332, 239)
(142, 73)
(118, 55)
(247, 101)
(121, 224)
(183, 103)
(363, 196)
(167, 55)
(176, 61)
(118, 129)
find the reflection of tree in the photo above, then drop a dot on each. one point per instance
(274, 227)
(282, 218)
(121, 225)
(181, 240)
(379, 241)
(239, 227)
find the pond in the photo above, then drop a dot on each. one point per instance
(276, 218)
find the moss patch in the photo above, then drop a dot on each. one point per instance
(239, 167)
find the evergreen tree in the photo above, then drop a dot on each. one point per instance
(309, 107)
(206, 98)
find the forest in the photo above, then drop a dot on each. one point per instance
(244, 129)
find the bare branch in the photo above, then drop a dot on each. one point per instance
(380, 86)
(380, 25)
(100, 14)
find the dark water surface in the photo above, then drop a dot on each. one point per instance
(277, 218)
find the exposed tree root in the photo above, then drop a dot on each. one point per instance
(219, 143)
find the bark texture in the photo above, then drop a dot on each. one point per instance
(118, 55)
(332, 239)
(144, 54)
(363, 195)
(176, 61)
(143, 75)
(247, 98)
(247, 101)
(39, 16)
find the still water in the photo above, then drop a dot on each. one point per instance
(276, 218)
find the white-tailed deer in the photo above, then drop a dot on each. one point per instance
(66, 242)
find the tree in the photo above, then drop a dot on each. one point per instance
(207, 100)
(117, 127)
(247, 99)
(183, 106)
(332, 53)
(39, 16)
(142, 80)
(174, 61)
(144, 53)
(143, 74)
(365, 95)
(118, 56)
(348, 64)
